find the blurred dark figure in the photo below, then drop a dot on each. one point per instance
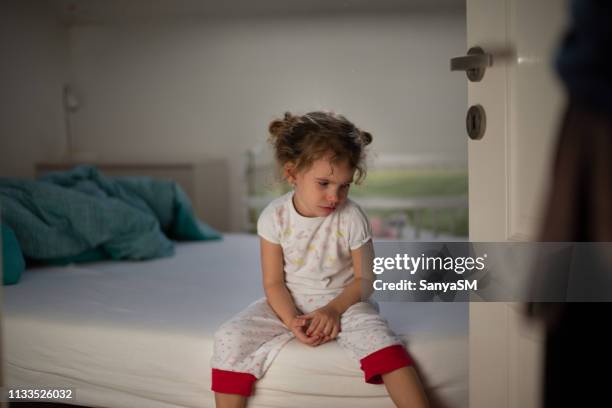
(579, 207)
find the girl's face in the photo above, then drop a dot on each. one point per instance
(322, 188)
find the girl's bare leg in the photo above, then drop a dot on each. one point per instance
(405, 389)
(229, 400)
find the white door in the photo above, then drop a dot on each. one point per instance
(508, 177)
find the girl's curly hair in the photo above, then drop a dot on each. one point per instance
(304, 139)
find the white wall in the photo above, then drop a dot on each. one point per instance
(183, 88)
(189, 88)
(33, 67)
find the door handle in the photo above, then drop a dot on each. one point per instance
(474, 63)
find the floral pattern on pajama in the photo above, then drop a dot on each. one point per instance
(250, 341)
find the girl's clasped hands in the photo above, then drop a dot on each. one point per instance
(317, 327)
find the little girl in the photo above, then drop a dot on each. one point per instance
(315, 244)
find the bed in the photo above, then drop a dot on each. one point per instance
(139, 334)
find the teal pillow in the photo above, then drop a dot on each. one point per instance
(91, 255)
(13, 263)
(185, 225)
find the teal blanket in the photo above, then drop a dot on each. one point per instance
(83, 215)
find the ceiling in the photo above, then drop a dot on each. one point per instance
(90, 11)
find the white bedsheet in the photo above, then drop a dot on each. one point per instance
(139, 334)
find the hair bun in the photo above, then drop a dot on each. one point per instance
(366, 138)
(276, 128)
(279, 127)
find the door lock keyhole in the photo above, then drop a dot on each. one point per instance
(475, 122)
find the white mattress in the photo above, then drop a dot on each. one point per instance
(139, 334)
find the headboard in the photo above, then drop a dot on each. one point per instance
(206, 183)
